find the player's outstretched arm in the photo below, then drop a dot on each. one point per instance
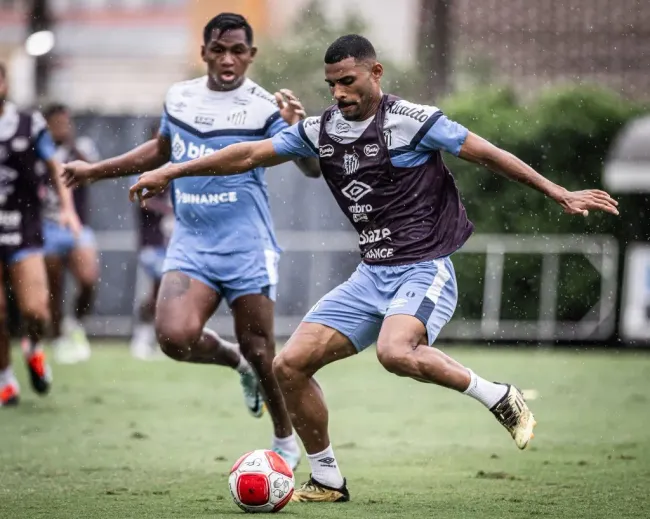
(478, 150)
(150, 155)
(231, 160)
(68, 214)
(293, 112)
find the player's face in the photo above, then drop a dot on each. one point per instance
(60, 126)
(228, 57)
(355, 87)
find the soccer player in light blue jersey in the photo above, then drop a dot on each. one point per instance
(223, 244)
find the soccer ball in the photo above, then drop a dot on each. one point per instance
(261, 481)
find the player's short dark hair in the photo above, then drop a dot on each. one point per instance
(3, 70)
(227, 22)
(350, 46)
(55, 109)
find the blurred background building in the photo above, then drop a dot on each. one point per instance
(120, 55)
(558, 82)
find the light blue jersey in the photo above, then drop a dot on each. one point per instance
(223, 234)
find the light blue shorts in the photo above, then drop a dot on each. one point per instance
(358, 307)
(59, 240)
(233, 275)
(21, 254)
(151, 260)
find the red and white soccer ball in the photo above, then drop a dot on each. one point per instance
(261, 481)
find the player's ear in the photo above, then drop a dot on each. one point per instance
(377, 71)
(203, 53)
(253, 52)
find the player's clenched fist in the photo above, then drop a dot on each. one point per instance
(149, 184)
(77, 173)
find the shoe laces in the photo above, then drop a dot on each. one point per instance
(509, 411)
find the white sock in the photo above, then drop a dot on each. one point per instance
(325, 469)
(70, 324)
(243, 366)
(488, 393)
(288, 444)
(7, 376)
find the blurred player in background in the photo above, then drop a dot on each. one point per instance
(381, 157)
(63, 251)
(24, 141)
(155, 223)
(223, 244)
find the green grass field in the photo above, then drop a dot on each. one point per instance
(118, 438)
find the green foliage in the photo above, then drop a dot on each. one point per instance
(296, 61)
(565, 134)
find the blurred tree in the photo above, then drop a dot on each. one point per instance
(434, 45)
(565, 134)
(296, 62)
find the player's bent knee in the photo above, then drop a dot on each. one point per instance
(285, 370)
(395, 357)
(36, 312)
(176, 341)
(258, 350)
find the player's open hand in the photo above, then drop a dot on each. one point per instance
(68, 218)
(77, 173)
(581, 202)
(291, 108)
(149, 185)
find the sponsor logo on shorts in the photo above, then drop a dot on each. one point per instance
(205, 198)
(355, 191)
(376, 254)
(361, 217)
(371, 150)
(326, 151)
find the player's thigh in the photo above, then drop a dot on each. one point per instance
(253, 316)
(28, 278)
(423, 304)
(311, 347)
(351, 309)
(55, 268)
(3, 296)
(184, 304)
(83, 264)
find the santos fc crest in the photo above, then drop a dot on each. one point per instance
(350, 162)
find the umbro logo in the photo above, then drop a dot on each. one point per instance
(327, 461)
(356, 190)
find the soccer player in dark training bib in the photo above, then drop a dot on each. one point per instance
(381, 158)
(27, 153)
